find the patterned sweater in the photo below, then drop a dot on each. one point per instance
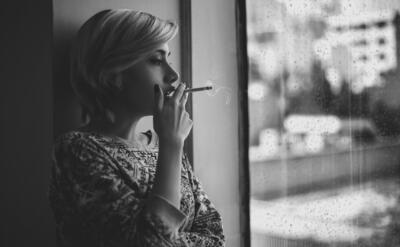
(100, 191)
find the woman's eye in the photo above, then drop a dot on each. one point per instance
(157, 61)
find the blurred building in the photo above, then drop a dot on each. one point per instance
(360, 48)
(355, 42)
(370, 37)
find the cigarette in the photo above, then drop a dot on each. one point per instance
(192, 90)
(197, 89)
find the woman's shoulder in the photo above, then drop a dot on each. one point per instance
(73, 140)
(73, 137)
(85, 138)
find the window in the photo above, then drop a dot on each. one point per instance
(324, 113)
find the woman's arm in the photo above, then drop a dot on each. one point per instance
(167, 181)
(168, 175)
(172, 124)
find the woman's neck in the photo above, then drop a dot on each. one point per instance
(122, 127)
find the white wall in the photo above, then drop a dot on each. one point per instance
(215, 130)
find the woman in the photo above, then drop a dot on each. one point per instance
(111, 186)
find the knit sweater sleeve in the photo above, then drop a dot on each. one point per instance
(94, 203)
(207, 228)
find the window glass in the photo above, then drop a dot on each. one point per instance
(324, 110)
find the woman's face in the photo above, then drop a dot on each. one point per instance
(137, 95)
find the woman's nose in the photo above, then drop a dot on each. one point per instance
(172, 75)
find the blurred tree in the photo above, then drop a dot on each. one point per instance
(321, 91)
(316, 99)
(320, 99)
(386, 119)
(348, 104)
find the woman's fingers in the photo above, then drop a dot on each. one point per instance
(171, 120)
(184, 116)
(188, 122)
(184, 99)
(178, 93)
(158, 97)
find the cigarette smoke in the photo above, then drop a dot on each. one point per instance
(218, 89)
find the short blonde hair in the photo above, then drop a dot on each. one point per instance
(107, 44)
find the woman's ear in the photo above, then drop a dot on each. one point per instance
(118, 81)
(110, 116)
(114, 84)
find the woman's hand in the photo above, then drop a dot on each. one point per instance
(171, 121)
(172, 124)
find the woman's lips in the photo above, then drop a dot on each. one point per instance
(169, 90)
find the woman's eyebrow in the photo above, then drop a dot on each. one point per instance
(163, 52)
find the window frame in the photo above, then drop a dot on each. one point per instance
(243, 110)
(185, 16)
